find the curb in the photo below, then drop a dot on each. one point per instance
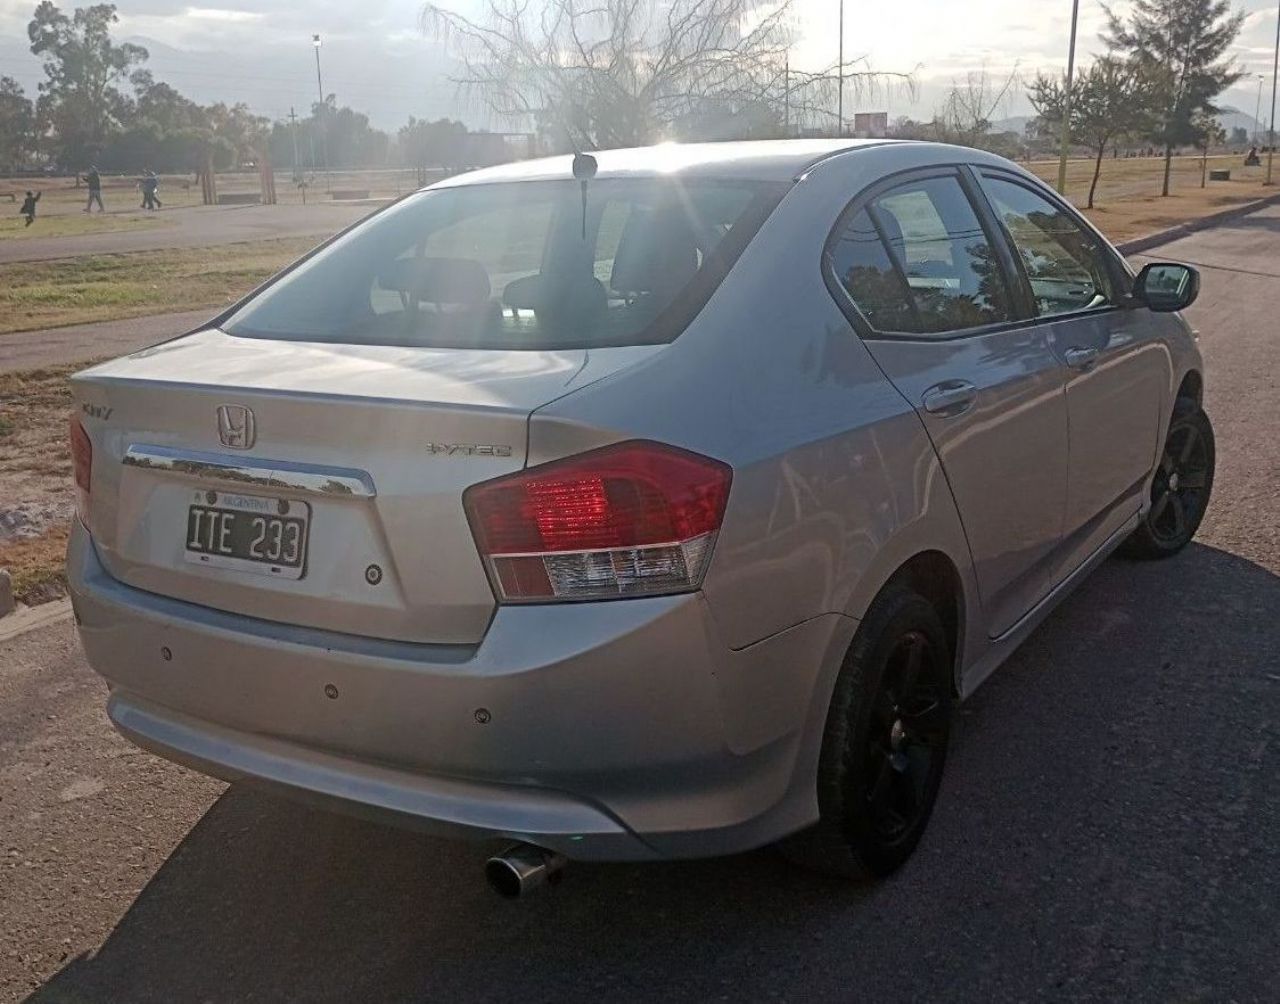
(1140, 244)
(26, 619)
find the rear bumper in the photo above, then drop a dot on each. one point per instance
(609, 731)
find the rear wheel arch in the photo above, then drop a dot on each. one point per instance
(935, 576)
(1192, 388)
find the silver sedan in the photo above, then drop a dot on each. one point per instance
(657, 503)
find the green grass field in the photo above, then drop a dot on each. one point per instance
(49, 294)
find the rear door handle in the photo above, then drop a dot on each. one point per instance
(1081, 359)
(951, 397)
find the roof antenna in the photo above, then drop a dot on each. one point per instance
(584, 169)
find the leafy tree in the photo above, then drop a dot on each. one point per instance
(160, 104)
(80, 96)
(1109, 100)
(17, 124)
(610, 73)
(242, 135)
(1209, 133)
(1239, 136)
(442, 143)
(1180, 45)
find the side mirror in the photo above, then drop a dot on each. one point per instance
(1165, 287)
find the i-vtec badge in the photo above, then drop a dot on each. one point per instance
(468, 450)
(237, 429)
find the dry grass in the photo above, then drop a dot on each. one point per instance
(34, 405)
(49, 294)
(1128, 202)
(15, 228)
(38, 565)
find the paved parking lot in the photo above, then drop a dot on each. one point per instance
(1108, 827)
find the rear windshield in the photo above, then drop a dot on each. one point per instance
(519, 265)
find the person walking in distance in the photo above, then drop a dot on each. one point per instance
(29, 207)
(150, 187)
(94, 181)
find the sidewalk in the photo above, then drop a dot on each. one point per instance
(24, 350)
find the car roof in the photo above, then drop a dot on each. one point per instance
(756, 160)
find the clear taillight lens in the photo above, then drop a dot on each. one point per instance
(82, 467)
(633, 519)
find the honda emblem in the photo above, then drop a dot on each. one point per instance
(236, 427)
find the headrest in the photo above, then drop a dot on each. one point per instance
(657, 254)
(437, 280)
(557, 298)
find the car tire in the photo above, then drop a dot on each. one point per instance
(1180, 489)
(883, 749)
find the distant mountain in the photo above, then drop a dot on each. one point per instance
(1231, 118)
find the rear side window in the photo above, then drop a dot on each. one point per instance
(929, 269)
(1065, 263)
(863, 266)
(520, 265)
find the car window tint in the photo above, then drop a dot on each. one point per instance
(863, 266)
(1064, 261)
(953, 272)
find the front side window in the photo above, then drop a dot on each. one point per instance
(519, 265)
(917, 260)
(1064, 262)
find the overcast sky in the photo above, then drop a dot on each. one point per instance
(376, 59)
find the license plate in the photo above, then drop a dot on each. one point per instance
(251, 533)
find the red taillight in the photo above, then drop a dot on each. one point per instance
(82, 466)
(634, 519)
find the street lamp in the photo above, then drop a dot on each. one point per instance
(1066, 101)
(1257, 108)
(324, 139)
(1271, 129)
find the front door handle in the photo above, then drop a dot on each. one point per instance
(951, 397)
(1082, 359)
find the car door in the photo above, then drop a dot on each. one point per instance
(927, 282)
(1117, 366)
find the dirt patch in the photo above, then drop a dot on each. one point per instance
(36, 497)
(35, 466)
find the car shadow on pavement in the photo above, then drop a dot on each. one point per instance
(1104, 808)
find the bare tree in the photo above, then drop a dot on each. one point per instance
(608, 73)
(966, 115)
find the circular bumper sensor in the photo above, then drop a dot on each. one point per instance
(330, 691)
(373, 574)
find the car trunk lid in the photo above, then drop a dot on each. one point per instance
(366, 449)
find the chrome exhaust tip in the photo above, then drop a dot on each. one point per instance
(521, 868)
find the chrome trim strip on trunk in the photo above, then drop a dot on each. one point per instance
(277, 475)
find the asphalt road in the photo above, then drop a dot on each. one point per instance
(1108, 827)
(197, 226)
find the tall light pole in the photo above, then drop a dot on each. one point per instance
(1257, 109)
(1271, 128)
(840, 78)
(324, 138)
(1066, 101)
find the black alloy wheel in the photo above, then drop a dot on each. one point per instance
(1181, 487)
